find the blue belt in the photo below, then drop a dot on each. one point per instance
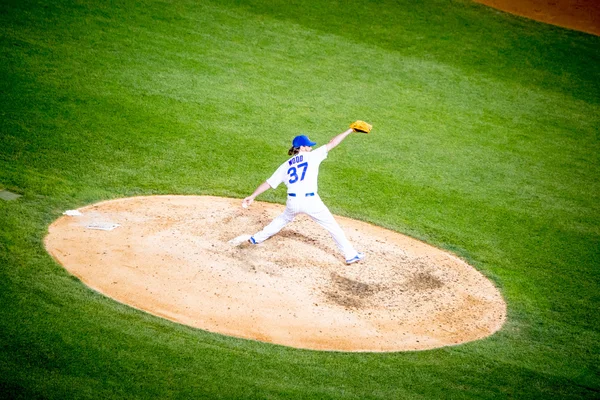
(306, 195)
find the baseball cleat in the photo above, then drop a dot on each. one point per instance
(356, 258)
(251, 240)
(236, 241)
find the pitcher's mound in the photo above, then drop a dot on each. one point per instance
(172, 256)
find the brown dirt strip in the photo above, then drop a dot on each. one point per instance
(581, 15)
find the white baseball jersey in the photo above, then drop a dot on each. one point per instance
(300, 173)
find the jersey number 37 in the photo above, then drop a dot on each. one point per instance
(293, 172)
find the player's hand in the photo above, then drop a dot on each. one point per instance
(247, 201)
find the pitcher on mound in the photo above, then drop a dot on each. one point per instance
(300, 174)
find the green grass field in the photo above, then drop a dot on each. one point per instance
(485, 143)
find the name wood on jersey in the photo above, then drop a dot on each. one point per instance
(295, 160)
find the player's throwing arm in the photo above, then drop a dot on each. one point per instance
(300, 174)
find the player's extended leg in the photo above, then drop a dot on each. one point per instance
(274, 227)
(323, 217)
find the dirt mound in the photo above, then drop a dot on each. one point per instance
(171, 256)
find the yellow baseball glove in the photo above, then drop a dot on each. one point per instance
(361, 126)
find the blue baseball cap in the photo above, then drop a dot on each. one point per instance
(302, 140)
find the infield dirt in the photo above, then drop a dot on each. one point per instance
(171, 257)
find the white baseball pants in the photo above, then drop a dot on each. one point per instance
(314, 207)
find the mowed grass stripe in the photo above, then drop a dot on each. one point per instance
(485, 144)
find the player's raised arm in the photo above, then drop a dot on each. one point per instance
(358, 126)
(338, 139)
(263, 187)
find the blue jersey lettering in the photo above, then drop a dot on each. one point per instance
(295, 160)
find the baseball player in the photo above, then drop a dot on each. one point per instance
(300, 174)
